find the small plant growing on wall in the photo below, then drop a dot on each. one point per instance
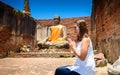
(18, 13)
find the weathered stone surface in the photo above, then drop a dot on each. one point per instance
(49, 45)
(16, 29)
(42, 33)
(100, 60)
(105, 28)
(42, 54)
(115, 68)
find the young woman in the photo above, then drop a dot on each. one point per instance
(82, 48)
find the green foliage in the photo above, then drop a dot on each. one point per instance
(65, 56)
(18, 13)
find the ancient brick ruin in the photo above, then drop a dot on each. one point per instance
(106, 27)
(16, 29)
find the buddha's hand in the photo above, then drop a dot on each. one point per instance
(46, 39)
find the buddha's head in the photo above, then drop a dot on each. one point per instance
(56, 19)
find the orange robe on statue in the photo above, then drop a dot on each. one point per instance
(57, 34)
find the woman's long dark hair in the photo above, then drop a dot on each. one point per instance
(82, 30)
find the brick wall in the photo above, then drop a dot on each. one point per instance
(16, 28)
(106, 27)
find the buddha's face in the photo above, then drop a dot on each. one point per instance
(56, 21)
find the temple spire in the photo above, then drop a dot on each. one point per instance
(26, 8)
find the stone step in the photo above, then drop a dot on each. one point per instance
(55, 53)
(42, 54)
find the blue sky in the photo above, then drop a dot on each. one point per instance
(46, 9)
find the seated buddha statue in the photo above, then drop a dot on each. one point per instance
(56, 34)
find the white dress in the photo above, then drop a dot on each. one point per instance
(86, 67)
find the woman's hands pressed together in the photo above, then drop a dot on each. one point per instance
(72, 43)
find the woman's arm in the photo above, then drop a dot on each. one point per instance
(84, 48)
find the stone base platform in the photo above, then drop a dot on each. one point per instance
(55, 53)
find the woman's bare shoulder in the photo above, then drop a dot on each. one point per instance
(86, 40)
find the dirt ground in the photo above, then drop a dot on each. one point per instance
(37, 66)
